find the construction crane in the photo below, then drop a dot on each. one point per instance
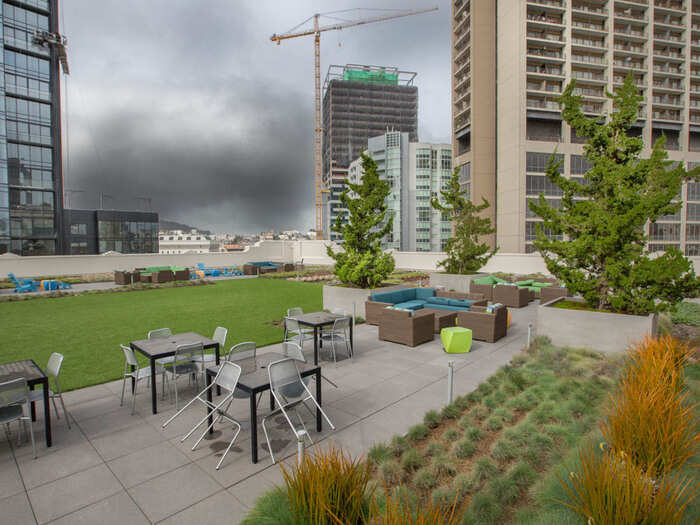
(316, 30)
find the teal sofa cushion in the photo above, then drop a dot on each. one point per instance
(446, 307)
(458, 302)
(437, 300)
(415, 304)
(424, 293)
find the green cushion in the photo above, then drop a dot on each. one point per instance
(527, 282)
(541, 285)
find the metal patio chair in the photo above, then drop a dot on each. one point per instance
(137, 375)
(226, 378)
(14, 396)
(183, 365)
(220, 334)
(53, 368)
(340, 333)
(289, 391)
(158, 334)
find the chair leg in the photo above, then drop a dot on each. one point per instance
(133, 398)
(55, 408)
(31, 434)
(65, 412)
(229, 446)
(267, 438)
(121, 401)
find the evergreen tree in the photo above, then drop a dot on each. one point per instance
(602, 251)
(362, 261)
(465, 254)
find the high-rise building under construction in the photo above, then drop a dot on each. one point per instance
(359, 102)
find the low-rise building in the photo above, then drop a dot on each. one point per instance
(179, 241)
(88, 232)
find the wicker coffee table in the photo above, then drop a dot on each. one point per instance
(443, 318)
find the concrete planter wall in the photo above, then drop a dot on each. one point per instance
(344, 297)
(452, 281)
(606, 332)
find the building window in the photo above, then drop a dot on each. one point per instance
(393, 140)
(692, 232)
(78, 229)
(579, 165)
(692, 250)
(671, 135)
(694, 191)
(538, 162)
(465, 173)
(693, 212)
(78, 248)
(555, 203)
(531, 231)
(544, 130)
(446, 160)
(664, 232)
(537, 184)
(655, 247)
(423, 159)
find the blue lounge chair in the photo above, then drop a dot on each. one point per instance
(23, 285)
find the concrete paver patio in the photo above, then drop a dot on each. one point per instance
(112, 467)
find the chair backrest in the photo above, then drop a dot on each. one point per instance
(291, 312)
(129, 356)
(293, 351)
(14, 392)
(242, 351)
(220, 336)
(285, 379)
(160, 333)
(342, 323)
(338, 311)
(228, 375)
(53, 367)
(12, 278)
(291, 324)
(184, 354)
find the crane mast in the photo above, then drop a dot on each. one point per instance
(318, 126)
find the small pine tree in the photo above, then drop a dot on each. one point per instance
(362, 261)
(465, 254)
(603, 255)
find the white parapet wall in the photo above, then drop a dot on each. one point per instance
(306, 252)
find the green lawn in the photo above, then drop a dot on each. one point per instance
(88, 329)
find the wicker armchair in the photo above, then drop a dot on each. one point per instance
(399, 326)
(122, 277)
(511, 295)
(485, 326)
(162, 276)
(482, 289)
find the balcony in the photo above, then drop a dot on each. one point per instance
(669, 20)
(627, 47)
(589, 59)
(588, 42)
(633, 14)
(546, 53)
(630, 32)
(557, 38)
(559, 4)
(588, 76)
(589, 92)
(592, 107)
(668, 84)
(544, 86)
(543, 18)
(670, 53)
(543, 104)
(545, 69)
(665, 100)
(674, 5)
(670, 69)
(626, 62)
(667, 114)
(588, 26)
(589, 9)
(669, 36)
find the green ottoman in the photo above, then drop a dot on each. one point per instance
(456, 340)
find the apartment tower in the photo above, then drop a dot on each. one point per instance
(540, 45)
(31, 186)
(359, 102)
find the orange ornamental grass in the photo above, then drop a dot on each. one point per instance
(648, 417)
(611, 489)
(328, 488)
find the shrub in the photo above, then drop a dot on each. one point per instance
(484, 389)
(378, 453)
(424, 478)
(609, 488)
(503, 450)
(417, 432)
(398, 445)
(515, 377)
(504, 490)
(484, 469)
(493, 424)
(390, 471)
(271, 507)
(522, 474)
(522, 402)
(451, 435)
(466, 421)
(479, 412)
(463, 402)
(443, 466)
(396, 512)
(411, 460)
(451, 411)
(505, 414)
(474, 397)
(521, 433)
(490, 402)
(649, 417)
(327, 487)
(686, 313)
(474, 433)
(432, 419)
(434, 449)
(464, 448)
(484, 509)
(463, 484)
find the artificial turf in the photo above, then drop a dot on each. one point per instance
(88, 329)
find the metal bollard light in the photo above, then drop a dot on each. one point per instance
(529, 334)
(300, 448)
(450, 381)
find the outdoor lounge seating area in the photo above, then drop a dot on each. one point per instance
(417, 299)
(261, 267)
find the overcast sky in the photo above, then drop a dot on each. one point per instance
(189, 103)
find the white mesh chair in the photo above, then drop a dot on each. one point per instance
(340, 333)
(226, 378)
(14, 396)
(183, 365)
(293, 351)
(220, 334)
(294, 332)
(158, 334)
(289, 391)
(53, 368)
(137, 375)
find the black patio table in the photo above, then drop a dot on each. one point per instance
(34, 375)
(164, 347)
(317, 320)
(254, 380)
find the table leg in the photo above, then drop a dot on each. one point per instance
(319, 421)
(253, 428)
(154, 390)
(133, 379)
(47, 413)
(272, 401)
(33, 406)
(218, 362)
(209, 409)
(316, 337)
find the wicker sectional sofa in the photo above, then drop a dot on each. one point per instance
(417, 299)
(485, 326)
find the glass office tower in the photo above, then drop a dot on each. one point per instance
(31, 186)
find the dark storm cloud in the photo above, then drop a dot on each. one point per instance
(188, 103)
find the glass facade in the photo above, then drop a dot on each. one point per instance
(30, 167)
(127, 236)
